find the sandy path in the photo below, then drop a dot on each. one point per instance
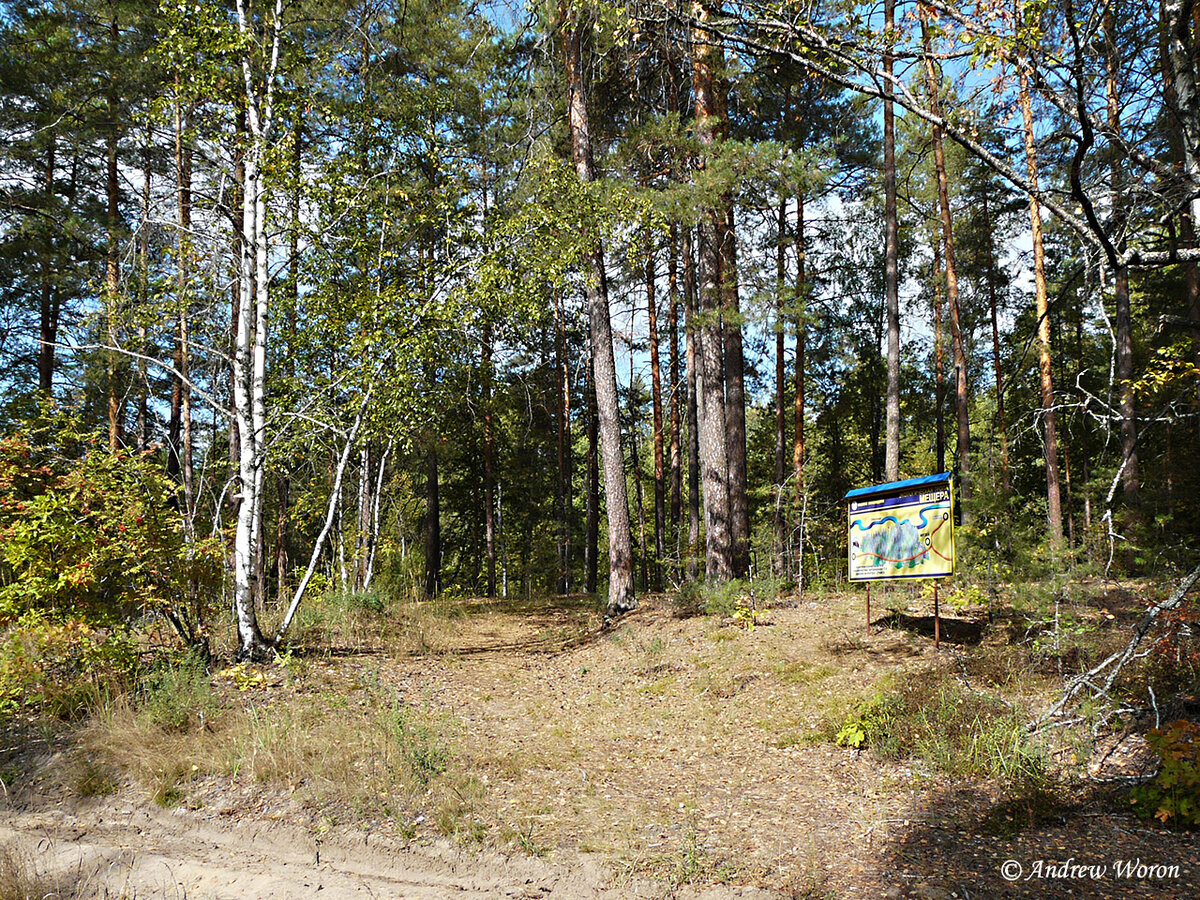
(122, 849)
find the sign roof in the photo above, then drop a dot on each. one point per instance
(892, 486)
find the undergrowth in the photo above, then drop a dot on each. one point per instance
(930, 718)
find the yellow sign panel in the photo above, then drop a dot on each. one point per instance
(906, 535)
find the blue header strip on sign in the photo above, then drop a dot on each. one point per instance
(891, 487)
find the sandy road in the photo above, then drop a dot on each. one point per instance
(122, 849)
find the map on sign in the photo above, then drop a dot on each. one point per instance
(908, 535)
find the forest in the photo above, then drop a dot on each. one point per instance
(321, 308)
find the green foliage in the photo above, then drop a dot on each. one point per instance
(959, 596)
(953, 730)
(1173, 797)
(177, 694)
(852, 734)
(61, 667)
(93, 535)
(736, 599)
(424, 748)
(336, 617)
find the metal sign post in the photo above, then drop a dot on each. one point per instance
(868, 609)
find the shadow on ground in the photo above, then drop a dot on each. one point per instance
(967, 843)
(953, 631)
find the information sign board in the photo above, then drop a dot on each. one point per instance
(902, 530)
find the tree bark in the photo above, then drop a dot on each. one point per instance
(183, 177)
(779, 519)
(892, 258)
(962, 408)
(636, 463)
(1183, 19)
(735, 399)
(1042, 308)
(939, 358)
(48, 306)
(1124, 319)
(711, 398)
(676, 462)
(250, 352)
(660, 524)
(693, 415)
(562, 379)
(433, 522)
(489, 454)
(621, 596)
(141, 424)
(112, 267)
(798, 412)
(991, 275)
(591, 541)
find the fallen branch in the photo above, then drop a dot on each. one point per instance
(1117, 661)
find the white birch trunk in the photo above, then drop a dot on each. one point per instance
(250, 350)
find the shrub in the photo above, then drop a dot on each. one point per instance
(95, 536)
(1173, 797)
(422, 745)
(735, 599)
(953, 730)
(177, 693)
(61, 666)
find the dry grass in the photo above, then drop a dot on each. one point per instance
(687, 749)
(342, 747)
(22, 877)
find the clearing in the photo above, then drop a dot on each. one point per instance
(519, 749)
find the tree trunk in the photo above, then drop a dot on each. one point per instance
(183, 177)
(991, 276)
(956, 334)
(1042, 308)
(250, 352)
(48, 306)
(636, 462)
(433, 523)
(735, 399)
(1181, 51)
(892, 259)
(798, 448)
(660, 524)
(489, 454)
(693, 415)
(621, 597)
(112, 268)
(591, 541)
(141, 424)
(779, 518)
(563, 448)
(237, 201)
(731, 333)
(676, 486)
(284, 481)
(245, 555)
(711, 397)
(939, 358)
(1124, 319)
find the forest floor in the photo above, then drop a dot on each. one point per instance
(505, 749)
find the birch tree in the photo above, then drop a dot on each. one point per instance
(260, 41)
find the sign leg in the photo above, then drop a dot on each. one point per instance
(937, 620)
(868, 609)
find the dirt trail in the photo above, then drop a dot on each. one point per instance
(129, 850)
(667, 757)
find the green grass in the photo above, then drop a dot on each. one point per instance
(930, 717)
